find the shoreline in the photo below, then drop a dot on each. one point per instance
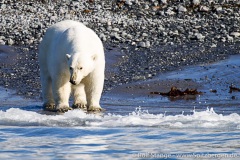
(121, 67)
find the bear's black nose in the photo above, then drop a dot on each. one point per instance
(72, 81)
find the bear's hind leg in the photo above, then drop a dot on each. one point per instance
(79, 96)
(47, 93)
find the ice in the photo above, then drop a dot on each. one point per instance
(138, 118)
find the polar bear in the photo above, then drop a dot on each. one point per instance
(72, 61)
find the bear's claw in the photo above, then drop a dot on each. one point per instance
(79, 106)
(95, 109)
(63, 109)
(49, 107)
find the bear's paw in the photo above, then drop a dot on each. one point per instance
(79, 106)
(49, 107)
(63, 109)
(95, 109)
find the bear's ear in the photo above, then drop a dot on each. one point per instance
(68, 56)
(94, 57)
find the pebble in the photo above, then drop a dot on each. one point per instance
(10, 42)
(199, 36)
(219, 9)
(235, 34)
(144, 34)
(204, 9)
(148, 44)
(103, 37)
(139, 78)
(229, 38)
(182, 9)
(196, 2)
(117, 36)
(213, 46)
(142, 44)
(164, 1)
(109, 23)
(2, 42)
(170, 12)
(116, 29)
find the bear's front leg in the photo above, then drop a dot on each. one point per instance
(93, 88)
(79, 96)
(61, 94)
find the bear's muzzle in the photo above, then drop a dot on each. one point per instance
(73, 78)
(72, 82)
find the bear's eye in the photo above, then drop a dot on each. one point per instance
(80, 68)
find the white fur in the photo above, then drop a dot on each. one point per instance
(71, 44)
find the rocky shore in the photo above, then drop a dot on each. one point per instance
(143, 23)
(153, 35)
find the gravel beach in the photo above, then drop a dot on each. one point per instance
(142, 38)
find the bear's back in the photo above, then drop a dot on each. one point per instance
(54, 32)
(60, 27)
(81, 38)
(69, 36)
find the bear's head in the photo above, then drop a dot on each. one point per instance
(80, 66)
